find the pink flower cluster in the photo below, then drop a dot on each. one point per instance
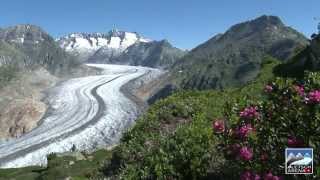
(218, 126)
(268, 89)
(270, 176)
(248, 175)
(300, 90)
(244, 131)
(243, 153)
(313, 97)
(246, 153)
(250, 112)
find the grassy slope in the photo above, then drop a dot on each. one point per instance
(166, 140)
(60, 168)
(173, 139)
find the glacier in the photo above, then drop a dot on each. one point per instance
(89, 113)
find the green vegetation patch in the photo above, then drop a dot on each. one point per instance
(174, 138)
(61, 167)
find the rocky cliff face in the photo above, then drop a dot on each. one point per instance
(235, 57)
(20, 102)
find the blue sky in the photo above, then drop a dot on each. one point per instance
(185, 23)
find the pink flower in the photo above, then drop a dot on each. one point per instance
(313, 97)
(268, 89)
(299, 89)
(246, 153)
(270, 176)
(218, 126)
(276, 178)
(248, 175)
(244, 131)
(249, 113)
(256, 177)
(295, 142)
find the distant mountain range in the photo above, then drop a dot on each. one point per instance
(229, 59)
(28, 46)
(120, 47)
(85, 45)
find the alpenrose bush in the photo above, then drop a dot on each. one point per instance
(254, 135)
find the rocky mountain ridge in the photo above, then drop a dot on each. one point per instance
(120, 47)
(84, 45)
(234, 58)
(31, 47)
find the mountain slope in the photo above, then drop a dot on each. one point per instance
(9, 55)
(307, 59)
(235, 57)
(30, 62)
(37, 48)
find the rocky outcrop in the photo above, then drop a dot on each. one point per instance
(21, 107)
(20, 117)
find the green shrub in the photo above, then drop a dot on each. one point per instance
(173, 139)
(254, 135)
(186, 154)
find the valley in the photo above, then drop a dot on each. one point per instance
(86, 113)
(118, 105)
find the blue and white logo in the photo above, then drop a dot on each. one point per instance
(299, 161)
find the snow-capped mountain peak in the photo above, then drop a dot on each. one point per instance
(86, 44)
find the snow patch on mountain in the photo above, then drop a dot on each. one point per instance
(86, 44)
